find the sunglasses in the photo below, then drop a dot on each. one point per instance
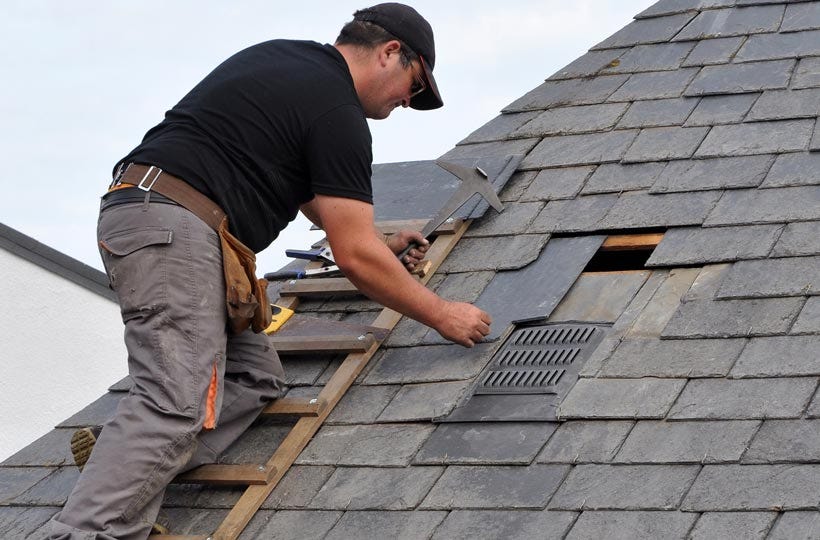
(418, 85)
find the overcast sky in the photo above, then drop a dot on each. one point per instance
(83, 80)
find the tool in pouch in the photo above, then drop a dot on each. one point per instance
(473, 180)
(321, 254)
(280, 316)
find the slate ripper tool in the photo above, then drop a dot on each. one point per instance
(473, 180)
(322, 254)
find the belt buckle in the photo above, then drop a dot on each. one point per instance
(142, 185)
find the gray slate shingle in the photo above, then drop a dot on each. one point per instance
(781, 205)
(579, 441)
(779, 357)
(732, 22)
(16, 522)
(714, 51)
(773, 46)
(484, 443)
(472, 254)
(591, 148)
(591, 63)
(654, 85)
(687, 442)
(800, 524)
(713, 173)
(499, 128)
(725, 109)
(357, 488)
(662, 143)
(570, 92)
(423, 402)
(495, 487)
(512, 221)
(733, 318)
(748, 525)
(552, 184)
(798, 169)
(809, 320)
(638, 209)
(624, 487)
(373, 525)
(754, 487)
(299, 485)
(807, 73)
(757, 138)
(469, 524)
(620, 398)
(792, 276)
(365, 445)
(801, 17)
(786, 104)
(670, 7)
(654, 30)
(785, 441)
(616, 177)
(579, 119)
(741, 399)
(696, 245)
(634, 525)
(673, 358)
(579, 214)
(741, 78)
(658, 112)
(656, 57)
(361, 404)
(279, 525)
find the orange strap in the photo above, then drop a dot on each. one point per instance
(210, 402)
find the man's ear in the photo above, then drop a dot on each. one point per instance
(388, 49)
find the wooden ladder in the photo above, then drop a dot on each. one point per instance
(261, 479)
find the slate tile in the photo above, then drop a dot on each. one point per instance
(552, 275)
(746, 525)
(715, 173)
(430, 364)
(470, 524)
(714, 51)
(16, 480)
(733, 318)
(362, 404)
(798, 169)
(754, 487)
(487, 253)
(792, 276)
(624, 487)
(362, 488)
(732, 22)
(801, 17)
(96, 414)
(656, 144)
(190, 521)
(490, 150)
(579, 441)
(303, 370)
(757, 138)
(639, 209)
(771, 46)
(658, 112)
(655, 57)
(814, 145)
(786, 104)
(693, 358)
(766, 206)
(591, 148)
(785, 441)
(484, 443)
(52, 449)
(575, 215)
(782, 356)
(801, 524)
(662, 306)
(654, 30)
(423, 401)
(17, 522)
(407, 333)
(290, 525)
(563, 183)
(499, 128)
(512, 221)
(620, 398)
(715, 110)
(571, 92)
(687, 442)
(741, 78)
(635, 525)
(616, 177)
(807, 73)
(379, 525)
(716, 399)
(258, 443)
(591, 63)
(706, 284)
(809, 320)
(509, 487)
(299, 485)
(599, 297)
(696, 245)
(365, 445)
(579, 119)
(670, 7)
(200, 496)
(654, 85)
(53, 490)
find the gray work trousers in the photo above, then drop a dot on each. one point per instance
(165, 265)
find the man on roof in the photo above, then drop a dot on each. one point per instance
(277, 128)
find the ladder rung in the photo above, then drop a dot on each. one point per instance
(298, 406)
(225, 475)
(177, 537)
(321, 344)
(318, 287)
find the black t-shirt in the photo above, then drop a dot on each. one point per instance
(265, 131)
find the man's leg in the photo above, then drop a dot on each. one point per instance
(165, 265)
(253, 378)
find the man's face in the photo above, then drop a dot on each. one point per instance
(397, 85)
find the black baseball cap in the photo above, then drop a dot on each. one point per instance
(407, 25)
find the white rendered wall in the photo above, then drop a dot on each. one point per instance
(61, 348)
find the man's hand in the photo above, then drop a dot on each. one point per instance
(463, 323)
(399, 241)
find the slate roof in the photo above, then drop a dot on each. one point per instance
(697, 415)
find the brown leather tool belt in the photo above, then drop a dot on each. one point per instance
(150, 178)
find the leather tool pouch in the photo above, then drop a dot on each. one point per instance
(246, 296)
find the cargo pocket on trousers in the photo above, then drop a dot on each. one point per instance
(122, 243)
